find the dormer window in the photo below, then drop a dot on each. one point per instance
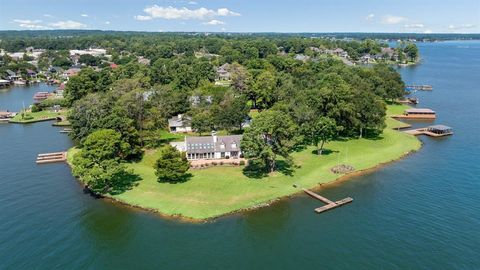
(222, 146)
(234, 145)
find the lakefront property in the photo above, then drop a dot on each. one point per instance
(200, 135)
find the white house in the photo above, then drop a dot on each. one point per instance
(210, 147)
(180, 123)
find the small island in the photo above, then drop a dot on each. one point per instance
(200, 127)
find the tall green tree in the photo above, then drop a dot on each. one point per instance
(319, 131)
(171, 166)
(271, 134)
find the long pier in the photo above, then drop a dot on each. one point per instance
(329, 204)
(51, 157)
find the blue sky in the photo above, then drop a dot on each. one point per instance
(422, 16)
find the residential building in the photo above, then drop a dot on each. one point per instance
(223, 72)
(180, 123)
(211, 147)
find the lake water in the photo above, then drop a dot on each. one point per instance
(422, 212)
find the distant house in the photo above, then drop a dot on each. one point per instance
(70, 72)
(198, 99)
(12, 76)
(302, 57)
(143, 61)
(366, 58)
(210, 147)
(180, 123)
(32, 74)
(223, 72)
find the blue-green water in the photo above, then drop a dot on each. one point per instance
(422, 212)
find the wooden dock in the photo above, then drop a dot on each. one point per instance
(329, 204)
(51, 157)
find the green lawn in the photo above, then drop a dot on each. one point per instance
(219, 190)
(35, 117)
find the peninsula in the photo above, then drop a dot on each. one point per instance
(199, 127)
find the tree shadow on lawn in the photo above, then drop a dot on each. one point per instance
(325, 152)
(124, 182)
(182, 179)
(256, 171)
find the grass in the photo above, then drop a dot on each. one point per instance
(32, 117)
(219, 190)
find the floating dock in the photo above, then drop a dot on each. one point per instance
(414, 113)
(51, 157)
(329, 204)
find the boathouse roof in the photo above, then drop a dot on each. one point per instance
(419, 111)
(440, 127)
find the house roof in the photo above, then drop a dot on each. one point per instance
(205, 144)
(419, 111)
(179, 121)
(10, 73)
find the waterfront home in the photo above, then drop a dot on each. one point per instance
(180, 123)
(144, 61)
(210, 147)
(12, 76)
(32, 74)
(415, 113)
(302, 57)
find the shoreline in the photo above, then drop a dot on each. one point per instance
(317, 187)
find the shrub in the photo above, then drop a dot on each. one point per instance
(227, 157)
(214, 163)
(242, 162)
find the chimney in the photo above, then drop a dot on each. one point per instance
(214, 135)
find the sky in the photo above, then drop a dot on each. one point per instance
(404, 16)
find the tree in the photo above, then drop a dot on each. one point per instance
(171, 166)
(411, 51)
(319, 131)
(98, 162)
(272, 133)
(233, 111)
(202, 121)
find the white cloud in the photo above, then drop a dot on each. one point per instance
(427, 31)
(172, 13)
(27, 21)
(84, 15)
(462, 26)
(68, 25)
(107, 22)
(192, 3)
(390, 19)
(214, 22)
(414, 26)
(142, 18)
(224, 29)
(30, 24)
(370, 17)
(226, 12)
(47, 15)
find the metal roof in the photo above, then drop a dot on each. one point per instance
(439, 127)
(414, 110)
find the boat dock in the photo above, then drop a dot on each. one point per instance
(432, 131)
(51, 157)
(329, 204)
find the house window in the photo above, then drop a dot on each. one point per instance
(234, 145)
(222, 146)
(222, 154)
